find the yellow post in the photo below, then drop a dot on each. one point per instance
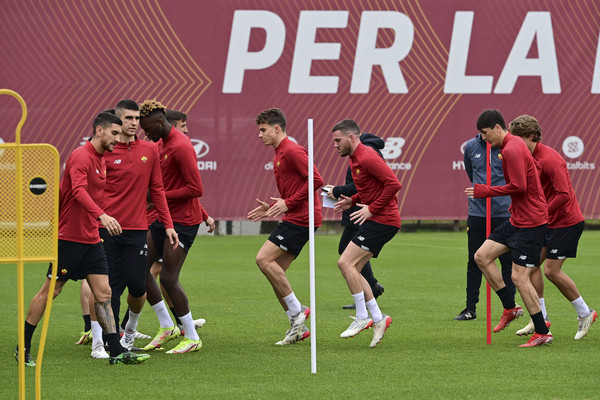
(29, 221)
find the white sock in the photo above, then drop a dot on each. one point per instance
(96, 334)
(581, 307)
(293, 304)
(361, 308)
(132, 322)
(289, 314)
(543, 307)
(188, 324)
(163, 315)
(374, 310)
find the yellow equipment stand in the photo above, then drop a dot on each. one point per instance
(29, 175)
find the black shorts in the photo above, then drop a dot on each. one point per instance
(127, 256)
(77, 260)
(290, 237)
(186, 235)
(525, 243)
(372, 236)
(562, 242)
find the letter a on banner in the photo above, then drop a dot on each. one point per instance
(29, 222)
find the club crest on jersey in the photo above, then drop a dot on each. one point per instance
(357, 171)
(499, 156)
(63, 271)
(166, 155)
(144, 159)
(278, 163)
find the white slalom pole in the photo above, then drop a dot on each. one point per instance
(311, 246)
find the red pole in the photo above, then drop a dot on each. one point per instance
(488, 231)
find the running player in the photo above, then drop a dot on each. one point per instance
(290, 165)
(379, 219)
(523, 234)
(565, 224)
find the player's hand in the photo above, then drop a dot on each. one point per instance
(111, 224)
(470, 191)
(259, 212)
(360, 216)
(149, 205)
(278, 208)
(210, 222)
(344, 203)
(173, 237)
(330, 192)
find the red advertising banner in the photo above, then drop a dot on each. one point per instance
(415, 72)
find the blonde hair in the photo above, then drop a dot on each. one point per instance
(151, 106)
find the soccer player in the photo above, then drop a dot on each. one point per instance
(179, 120)
(565, 224)
(183, 186)
(290, 165)
(132, 172)
(476, 169)
(80, 251)
(350, 228)
(523, 234)
(378, 217)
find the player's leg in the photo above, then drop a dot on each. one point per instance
(84, 296)
(475, 238)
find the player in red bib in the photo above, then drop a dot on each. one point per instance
(290, 166)
(565, 224)
(523, 234)
(379, 219)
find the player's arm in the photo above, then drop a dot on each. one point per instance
(557, 174)
(516, 168)
(391, 185)
(300, 163)
(186, 158)
(467, 161)
(156, 192)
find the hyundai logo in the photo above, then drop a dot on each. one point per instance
(200, 147)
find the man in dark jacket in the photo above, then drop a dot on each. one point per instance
(350, 227)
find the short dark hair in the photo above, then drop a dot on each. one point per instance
(127, 104)
(109, 110)
(347, 126)
(526, 125)
(272, 117)
(105, 119)
(490, 118)
(174, 115)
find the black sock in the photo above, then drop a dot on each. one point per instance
(507, 300)
(177, 320)
(29, 329)
(114, 346)
(125, 319)
(87, 323)
(539, 323)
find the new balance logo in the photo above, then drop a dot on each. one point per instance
(117, 161)
(279, 237)
(523, 257)
(554, 251)
(361, 238)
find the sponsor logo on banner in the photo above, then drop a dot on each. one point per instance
(393, 150)
(572, 148)
(202, 149)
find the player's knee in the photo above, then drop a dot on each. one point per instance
(137, 290)
(480, 259)
(550, 273)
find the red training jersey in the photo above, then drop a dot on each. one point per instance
(80, 196)
(528, 207)
(377, 185)
(183, 185)
(563, 209)
(290, 166)
(131, 170)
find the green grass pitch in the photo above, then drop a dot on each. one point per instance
(424, 354)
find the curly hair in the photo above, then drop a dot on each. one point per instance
(524, 126)
(150, 107)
